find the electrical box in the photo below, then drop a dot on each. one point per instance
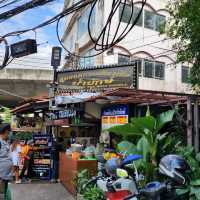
(23, 48)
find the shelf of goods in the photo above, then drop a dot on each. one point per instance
(42, 156)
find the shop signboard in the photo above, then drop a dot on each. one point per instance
(41, 168)
(98, 79)
(62, 114)
(114, 115)
(58, 122)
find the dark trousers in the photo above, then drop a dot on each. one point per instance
(27, 166)
(55, 169)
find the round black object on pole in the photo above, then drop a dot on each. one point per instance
(56, 56)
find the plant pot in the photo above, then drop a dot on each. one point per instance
(79, 197)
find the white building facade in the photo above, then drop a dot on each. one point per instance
(153, 51)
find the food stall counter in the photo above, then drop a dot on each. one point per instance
(69, 168)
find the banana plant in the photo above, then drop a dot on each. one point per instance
(148, 128)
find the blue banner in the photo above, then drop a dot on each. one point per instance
(115, 110)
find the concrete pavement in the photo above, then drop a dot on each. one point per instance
(39, 191)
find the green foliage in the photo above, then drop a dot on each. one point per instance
(93, 193)
(81, 179)
(152, 142)
(6, 115)
(193, 186)
(184, 26)
(148, 128)
(89, 193)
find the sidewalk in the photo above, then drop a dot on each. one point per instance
(39, 191)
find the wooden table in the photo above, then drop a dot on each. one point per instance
(69, 168)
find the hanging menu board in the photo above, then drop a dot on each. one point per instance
(42, 156)
(114, 115)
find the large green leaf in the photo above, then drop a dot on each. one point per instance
(195, 182)
(180, 192)
(124, 130)
(143, 124)
(143, 147)
(195, 191)
(164, 118)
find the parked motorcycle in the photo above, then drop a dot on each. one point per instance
(176, 169)
(115, 181)
(122, 187)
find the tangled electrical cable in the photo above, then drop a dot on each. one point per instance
(103, 41)
(6, 55)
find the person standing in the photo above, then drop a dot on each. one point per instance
(26, 172)
(15, 153)
(5, 156)
(57, 147)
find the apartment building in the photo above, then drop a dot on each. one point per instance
(153, 51)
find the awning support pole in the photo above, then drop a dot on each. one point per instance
(196, 125)
(189, 121)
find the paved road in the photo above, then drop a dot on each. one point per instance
(40, 191)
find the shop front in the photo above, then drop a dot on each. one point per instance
(78, 131)
(28, 126)
(84, 126)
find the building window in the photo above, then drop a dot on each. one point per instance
(88, 62)
(148, 69)
(154, 69)
(83, 22)
(123, 59)
(154, 21)
(149, 20)
(139, 67)
(159, 70)
(185, 74)
(160, 22)
(127, 12)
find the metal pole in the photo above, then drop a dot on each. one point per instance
(196, 125)
(189, 121)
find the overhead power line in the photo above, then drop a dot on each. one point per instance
(22, 8)
(102, 43)
(10, 3)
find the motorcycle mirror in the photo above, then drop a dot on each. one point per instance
(122, 173)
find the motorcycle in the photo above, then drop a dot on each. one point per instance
(115, 180)
(173, 167)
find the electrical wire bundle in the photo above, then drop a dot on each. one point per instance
(22, 8)
(6, 3)
(103, 41)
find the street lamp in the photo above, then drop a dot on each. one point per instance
(55, 62)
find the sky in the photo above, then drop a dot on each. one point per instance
(46, 37)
